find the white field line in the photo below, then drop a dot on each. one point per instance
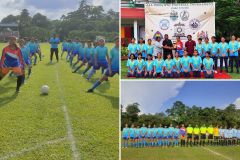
(26, 150)
(70, 135)
(216, 153)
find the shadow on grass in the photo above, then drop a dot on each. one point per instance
(7, 99)
(114, 100)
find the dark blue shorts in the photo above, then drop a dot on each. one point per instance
(27, 62)
(113, 73)
(74, 53)
(32, 53)
(65, 49)
(102, 64)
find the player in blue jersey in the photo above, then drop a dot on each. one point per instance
(165, 136)
(233, 53)
(158, 65)
(137, 137)
(149, 67)
(149, 47)
(26, 57)
(168, 67)
(131, 64)
(141, 47)
(143, 135)
(199, 47)
(208, 66)
(238, 136)
(176, 133)
(113, 63)
(207, 47)
(132, 135)
(170, 136)
(196, 63)
(87, 56)
(234, 136)
(215, 52)
(54, 41)
(159, 135)
(140, 63)
(177, 66)
(149, 136)
(125, 136)
(223, 53)
(132, 48)
(186, 65)
(33, 50)
(38, 49)
(64, 47)
(77, 51)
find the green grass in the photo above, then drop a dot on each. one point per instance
(182, 153)
(124, 71)
(30, 119)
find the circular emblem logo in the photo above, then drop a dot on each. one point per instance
(179, 30)
(174, 15)
(164, 24)
(184, 15)
(194, 23)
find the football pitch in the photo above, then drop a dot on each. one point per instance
(182, 153)
(67, 124)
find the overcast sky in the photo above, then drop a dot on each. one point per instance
(53, 9)
(157, 96)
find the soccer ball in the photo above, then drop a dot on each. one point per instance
(45, 90)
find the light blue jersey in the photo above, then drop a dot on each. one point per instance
(132, 48)
(176, 132)
(140, 64)
(165, 132)
(149, 49)
(125, 132)
(132, 132)
(101, 52)
(208, 63)
(234, 132)
(114, 56)
(158, 64)
(149, 65)
(168, 64)
(171, 130)
(196, 62)
(142, 48)
(223, 49)
(206, 47)
(233, 47)
(64, 45)
(214, 49)
(160, 132)
(238, 133)
(54, 42)
(87, 52)
(177, 64)
(32, 47)
(131, 64)
(26, 54)
(199, 48)
(143, 131)
(137, 133)
(185, 62)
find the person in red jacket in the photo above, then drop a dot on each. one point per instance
(12, 60)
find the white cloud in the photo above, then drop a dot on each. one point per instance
(151, 95)
(237, 103)
(107, 4)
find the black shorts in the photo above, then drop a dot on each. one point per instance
(196, 137)
(210, 136)
(189, 135)
(203, 136)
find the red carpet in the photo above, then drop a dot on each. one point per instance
(223, 75)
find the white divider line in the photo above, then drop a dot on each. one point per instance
(216, 153)
(26, 150)
(70, 135)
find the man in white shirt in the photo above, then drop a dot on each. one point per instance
(157, 47)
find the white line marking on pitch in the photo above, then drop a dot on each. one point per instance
(216, 153)
(26, 150)
(68, 122)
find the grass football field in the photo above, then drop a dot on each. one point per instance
(124, 71)
(182, 153)
(67, 124)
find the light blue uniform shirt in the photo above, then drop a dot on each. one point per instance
(132, 132)
(32, 47)
(54, 42)
(149, 66)
(168, 64)
(25, 53)
(233, 46)
(131, 64)
(159, 65)
(196, 62)
(125, 132)
(171, 129)
(208, 63)
(142, 48)
(177, 64)
(206, 47)
(223, 48)
(114, 56)
(143, 131)
(199, 48)
(140, 64)
(214, 50)
(185, 61)
(165, 132)
(160, 131)
(132, 49)
(149, 49)
(101, 52)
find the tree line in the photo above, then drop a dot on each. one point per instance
(179, 113)
(86, 23)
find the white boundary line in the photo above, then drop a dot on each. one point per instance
(26, 150)
(216, 153)
(70, 135)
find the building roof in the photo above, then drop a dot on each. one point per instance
(8, 25)
(132, 13)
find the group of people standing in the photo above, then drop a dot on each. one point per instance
(158, 59)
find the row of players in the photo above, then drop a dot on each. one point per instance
(171, 68)
(170, 136)
(222, 49)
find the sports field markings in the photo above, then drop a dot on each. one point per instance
(216, 153)
(36, 147)
(70, 135)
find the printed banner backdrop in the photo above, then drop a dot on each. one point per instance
(180, 19)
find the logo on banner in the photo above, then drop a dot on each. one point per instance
(184, 15)
(174, 15)
(194, 24)
(179, 30)
(164, 24)
(158, 34)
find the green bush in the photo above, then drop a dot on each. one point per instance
(124, 51)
